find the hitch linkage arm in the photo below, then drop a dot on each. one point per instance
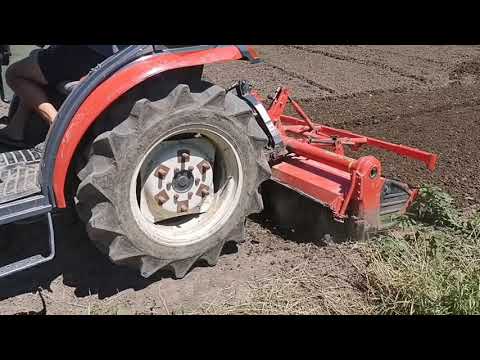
(320, 134)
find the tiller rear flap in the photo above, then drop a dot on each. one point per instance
(315, 165)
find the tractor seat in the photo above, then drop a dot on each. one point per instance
(66, 87)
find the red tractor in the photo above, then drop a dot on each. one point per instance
(163, 167)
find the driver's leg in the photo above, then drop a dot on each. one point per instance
(49, 66)
(26, 79)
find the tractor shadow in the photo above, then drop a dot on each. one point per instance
(296, 218)
(82, 266)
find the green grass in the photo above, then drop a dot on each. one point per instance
(430, 264)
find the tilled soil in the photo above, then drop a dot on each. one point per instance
(423, 96)
(444, 121)
(82, 281)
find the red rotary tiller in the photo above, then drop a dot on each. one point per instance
(315, 165)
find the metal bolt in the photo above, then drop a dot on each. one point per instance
(160, 199)
(205, 167)
(205, 192)
(161, 172)
(185, 156)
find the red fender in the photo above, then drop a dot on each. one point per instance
(111, 89)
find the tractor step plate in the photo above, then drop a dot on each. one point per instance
(35, 260)
(19, 172)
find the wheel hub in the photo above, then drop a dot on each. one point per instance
(177, 179)
(183, 181)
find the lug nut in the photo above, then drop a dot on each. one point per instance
(205, 192)
(161, 172)
(205, 167)
(160, 199)
(183, 156)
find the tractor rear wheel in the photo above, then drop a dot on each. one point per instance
(173, 182)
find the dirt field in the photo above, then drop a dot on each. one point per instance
(424, 96)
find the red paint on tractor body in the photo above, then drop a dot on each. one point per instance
(110, 90)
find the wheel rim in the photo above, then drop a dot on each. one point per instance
(153, 206)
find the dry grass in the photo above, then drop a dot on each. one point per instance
(302, 290)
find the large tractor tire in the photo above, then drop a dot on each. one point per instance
(172, 183)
